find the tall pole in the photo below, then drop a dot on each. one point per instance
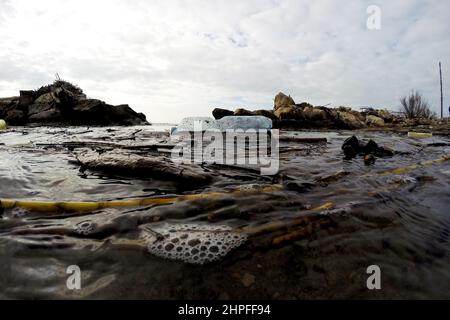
(442, 97)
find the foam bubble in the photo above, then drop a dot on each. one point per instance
(85, 227)
(192, 242)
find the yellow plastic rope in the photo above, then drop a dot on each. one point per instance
(52, 206)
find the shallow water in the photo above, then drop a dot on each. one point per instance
(398, 222)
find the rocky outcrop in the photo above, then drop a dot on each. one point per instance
(286, 114)
(62, 103)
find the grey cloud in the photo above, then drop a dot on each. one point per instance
(172, 59)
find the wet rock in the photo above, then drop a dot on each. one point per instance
(369, 159)
(282, 100)
(220, 113)
(353, 147)
(373, 148)
(374, 121)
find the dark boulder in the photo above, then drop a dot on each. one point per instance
(62, 103)
(352, 147)
(220, 113)
(12, 113)
(26, 98)
(97, 112)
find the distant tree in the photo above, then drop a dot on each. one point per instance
(415, 106)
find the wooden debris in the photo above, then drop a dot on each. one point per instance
(145, 167)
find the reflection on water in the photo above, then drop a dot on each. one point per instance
(313, 239)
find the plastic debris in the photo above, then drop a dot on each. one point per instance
(191, 242)
(419, 135)
(193, 124)
(244, 123)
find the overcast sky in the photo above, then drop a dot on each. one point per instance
(171, 59)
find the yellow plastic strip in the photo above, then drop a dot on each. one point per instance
(52, 206)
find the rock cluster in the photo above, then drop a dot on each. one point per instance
(353, 147)
(286, 113)
(62, 103)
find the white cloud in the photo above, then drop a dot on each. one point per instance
(171, 59)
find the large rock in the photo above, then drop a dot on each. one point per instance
(97, 112)
(314, 114)
(349, 121)
(15, 117)
(11, 112)
(282, 101)
(62, 103)
(374, 121)
(219, 113)
(47, 117)
(386, 116)
(289, 112)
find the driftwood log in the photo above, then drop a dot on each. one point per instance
(120, 163)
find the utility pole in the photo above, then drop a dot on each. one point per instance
(442, 97)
